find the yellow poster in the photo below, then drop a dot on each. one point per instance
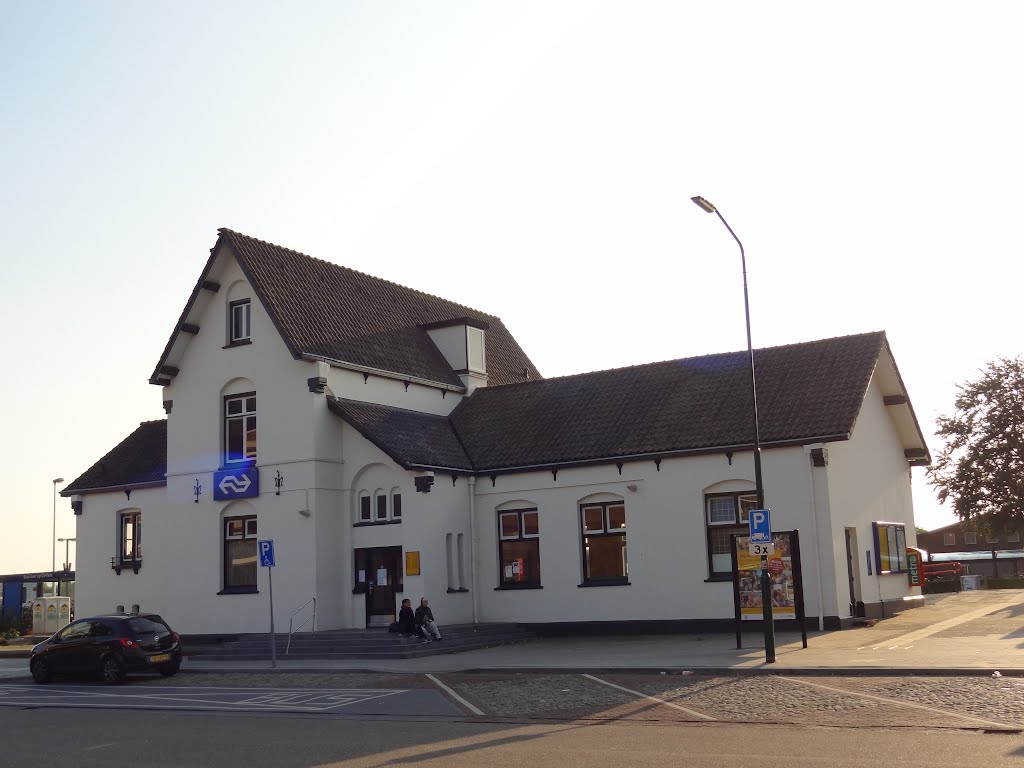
(780, 568)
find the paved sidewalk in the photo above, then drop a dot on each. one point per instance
(966, 633)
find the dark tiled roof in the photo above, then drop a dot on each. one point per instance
(410, 438)
(806, 392)
(139, 458)
(330, 311)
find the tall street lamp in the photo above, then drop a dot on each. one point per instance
(766, 582)
(53, 539)
(67, 561)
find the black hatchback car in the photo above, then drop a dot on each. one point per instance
(110, 647)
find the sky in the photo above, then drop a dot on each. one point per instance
(533, 160)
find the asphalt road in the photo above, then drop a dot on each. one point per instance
(100, 739)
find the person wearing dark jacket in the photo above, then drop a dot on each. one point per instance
(407, 623)
(425, 620)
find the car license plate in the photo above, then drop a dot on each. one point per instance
(160, 657)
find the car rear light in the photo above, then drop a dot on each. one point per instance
(127, 642)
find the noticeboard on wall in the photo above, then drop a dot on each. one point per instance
(890, 547)
(412, 563)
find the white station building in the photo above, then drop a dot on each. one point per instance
(393, 444)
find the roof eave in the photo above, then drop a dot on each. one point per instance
(108, 488)
(335, 363)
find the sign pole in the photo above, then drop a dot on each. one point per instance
(766, 613)
(273, 639)
(265, 549)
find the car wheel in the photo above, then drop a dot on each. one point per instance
(169, 670)
(40, 671)
(112, 671)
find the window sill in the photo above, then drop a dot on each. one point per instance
(125, 565)
(460, 591)
(367, 523)
(239, 591)
(514, 587)
(239, 343)
(721, 577)
(606, 583)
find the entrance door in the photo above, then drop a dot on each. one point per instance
(382, 567)
(856, 609)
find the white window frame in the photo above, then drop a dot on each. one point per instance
(1013, 537)
(949, 539)
(247, 418)
(135, 516)
(970, 537)
(365, 510)
(991, 538)
(242, 310)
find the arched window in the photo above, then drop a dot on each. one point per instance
(365, 513)
(726, 512)
(603, 535)
(240, 561)
(518, 546)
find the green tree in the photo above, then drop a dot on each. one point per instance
(981, 466)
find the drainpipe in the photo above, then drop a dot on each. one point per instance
(814, 529)
(471, 485)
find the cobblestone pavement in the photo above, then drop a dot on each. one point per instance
(984, 703)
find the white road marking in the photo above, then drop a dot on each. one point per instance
(231, 699)
(692, 712)
(454, 695)
(909, 704)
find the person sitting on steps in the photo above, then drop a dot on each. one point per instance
(407, 623)
(425, 620)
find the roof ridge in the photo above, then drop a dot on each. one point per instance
(335, 265)
(654, 363)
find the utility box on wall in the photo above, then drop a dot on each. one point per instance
(50, 614)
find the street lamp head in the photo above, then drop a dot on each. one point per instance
(703, 204)
(58, 480)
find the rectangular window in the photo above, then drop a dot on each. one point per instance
(240, 428)
(603, 534)
(991, 538)
(364, 509)
(890, 547)
(131, 536)
(396, 506)
(1013, 537)
(382, 507)
(518, 549)
(240, 561)
(240, 320)
(970, 537)
(949, 539)
(725, 514)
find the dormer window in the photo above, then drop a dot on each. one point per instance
(241, 313)
(476, 359)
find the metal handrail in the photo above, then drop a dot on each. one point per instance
(292, 619)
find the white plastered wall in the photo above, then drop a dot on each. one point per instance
(869, 481)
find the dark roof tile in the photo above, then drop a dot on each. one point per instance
(329, 311)
(410, 438)
(139, 458)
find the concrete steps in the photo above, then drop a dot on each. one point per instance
(360, 644)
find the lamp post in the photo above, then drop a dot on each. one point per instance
(53, 539)
(766, 582)
(67, 561)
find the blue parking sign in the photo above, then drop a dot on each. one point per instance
(760, 526)
(265, 548)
